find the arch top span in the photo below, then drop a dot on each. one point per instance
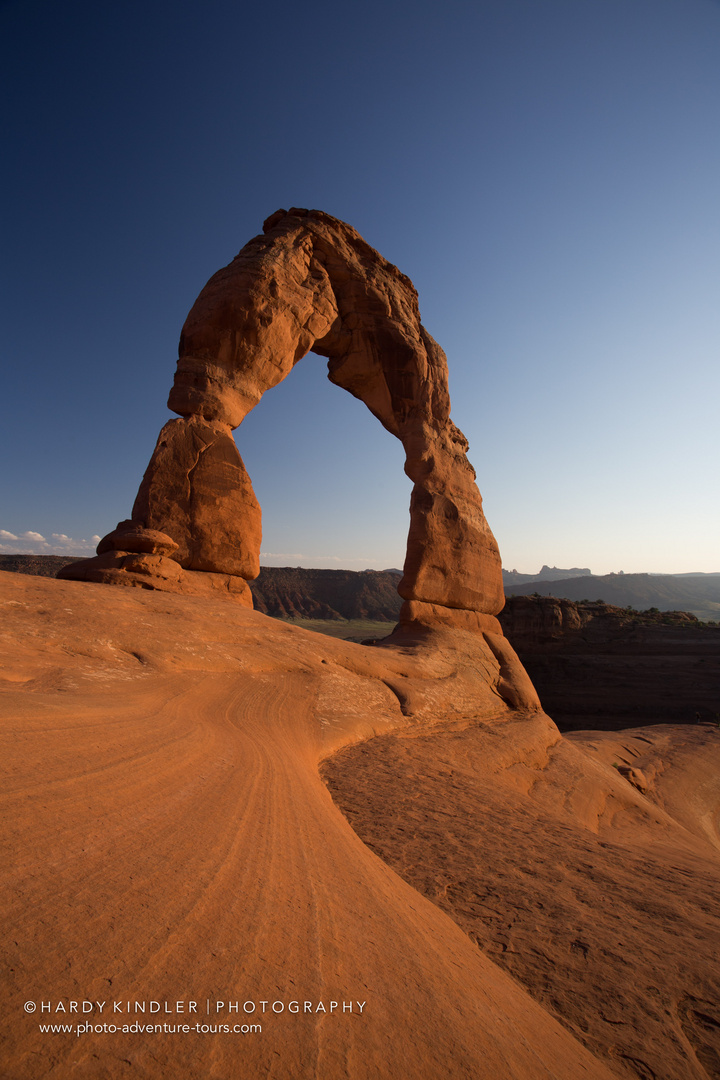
(310, 282)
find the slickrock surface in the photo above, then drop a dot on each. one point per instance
(600, 898)
(168, 838)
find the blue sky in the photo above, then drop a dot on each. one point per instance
(545, 171)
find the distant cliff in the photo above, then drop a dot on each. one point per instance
(287, 592)
(295, 592)
(41, 565)
(698, 593)
(599, 666)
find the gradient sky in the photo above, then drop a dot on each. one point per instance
(547, 172)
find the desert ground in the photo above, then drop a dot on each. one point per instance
(205, 805)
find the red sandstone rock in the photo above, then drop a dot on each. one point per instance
(197, 491)
(312, 282)
(129, 536)
(78, 571)
(144, 571)
(197, 583)
(251, 323)
(195, 504)
(514, 685)
(416, 613)
(126, 568)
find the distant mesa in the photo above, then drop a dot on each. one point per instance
(552, 573)
(309, 282)
(547, 573)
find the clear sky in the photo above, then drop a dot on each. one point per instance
(547, 172)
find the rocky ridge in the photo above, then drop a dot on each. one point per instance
(669, 592)
(297, 593)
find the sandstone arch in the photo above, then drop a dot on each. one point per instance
(308, 282)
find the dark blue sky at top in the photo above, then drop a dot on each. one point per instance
(546, 172)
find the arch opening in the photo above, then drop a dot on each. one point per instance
(329, 480)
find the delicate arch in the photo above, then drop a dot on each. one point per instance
(308, 282)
